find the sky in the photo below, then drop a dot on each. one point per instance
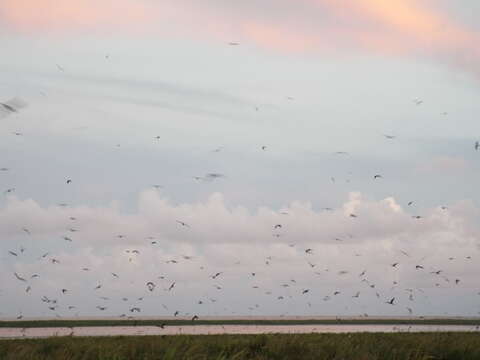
(124, 109)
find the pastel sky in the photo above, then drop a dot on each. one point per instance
(291, 102)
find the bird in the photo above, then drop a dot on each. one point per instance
(9, 191)
(195, 317)
(278, 226)
(171, 286)
(391, 301)
(220, 148)
(410, 203)
(477, 145)
(377, 177)
(213, 176)
(216, 275)
(305, 291)
(12, 106)
(151, 286)
(390, 137)
(395, 264)
(19, 277)
(264, 148)
(417, 101)
(309, 251)
(69, 181)
(183, 223)
(418, 267)
(12, 253)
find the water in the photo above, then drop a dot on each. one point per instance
(10, 333)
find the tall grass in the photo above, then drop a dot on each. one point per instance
(364, 346)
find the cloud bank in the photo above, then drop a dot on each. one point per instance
(263, 258)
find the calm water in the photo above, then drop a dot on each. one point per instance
(7, 333)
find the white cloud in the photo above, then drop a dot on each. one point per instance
(237, 242)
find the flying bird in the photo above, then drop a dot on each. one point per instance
(183, 223)
(377, 177)
(216, 275)
(11, 106)
(19, 277)
(151, 286)
(417, 101)
(391, 301)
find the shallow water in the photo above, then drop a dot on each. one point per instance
(9, 333)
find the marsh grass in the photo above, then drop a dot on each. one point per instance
(360, 346)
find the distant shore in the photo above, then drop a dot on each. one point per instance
(181, 321)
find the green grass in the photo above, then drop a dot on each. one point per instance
(77, 323)
(364, 346)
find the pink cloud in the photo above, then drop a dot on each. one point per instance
(392, 27)
(65, 15)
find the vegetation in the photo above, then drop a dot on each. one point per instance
(360, 346)
(111, 322)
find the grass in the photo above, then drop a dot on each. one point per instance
(360, 346)
(106, 322)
